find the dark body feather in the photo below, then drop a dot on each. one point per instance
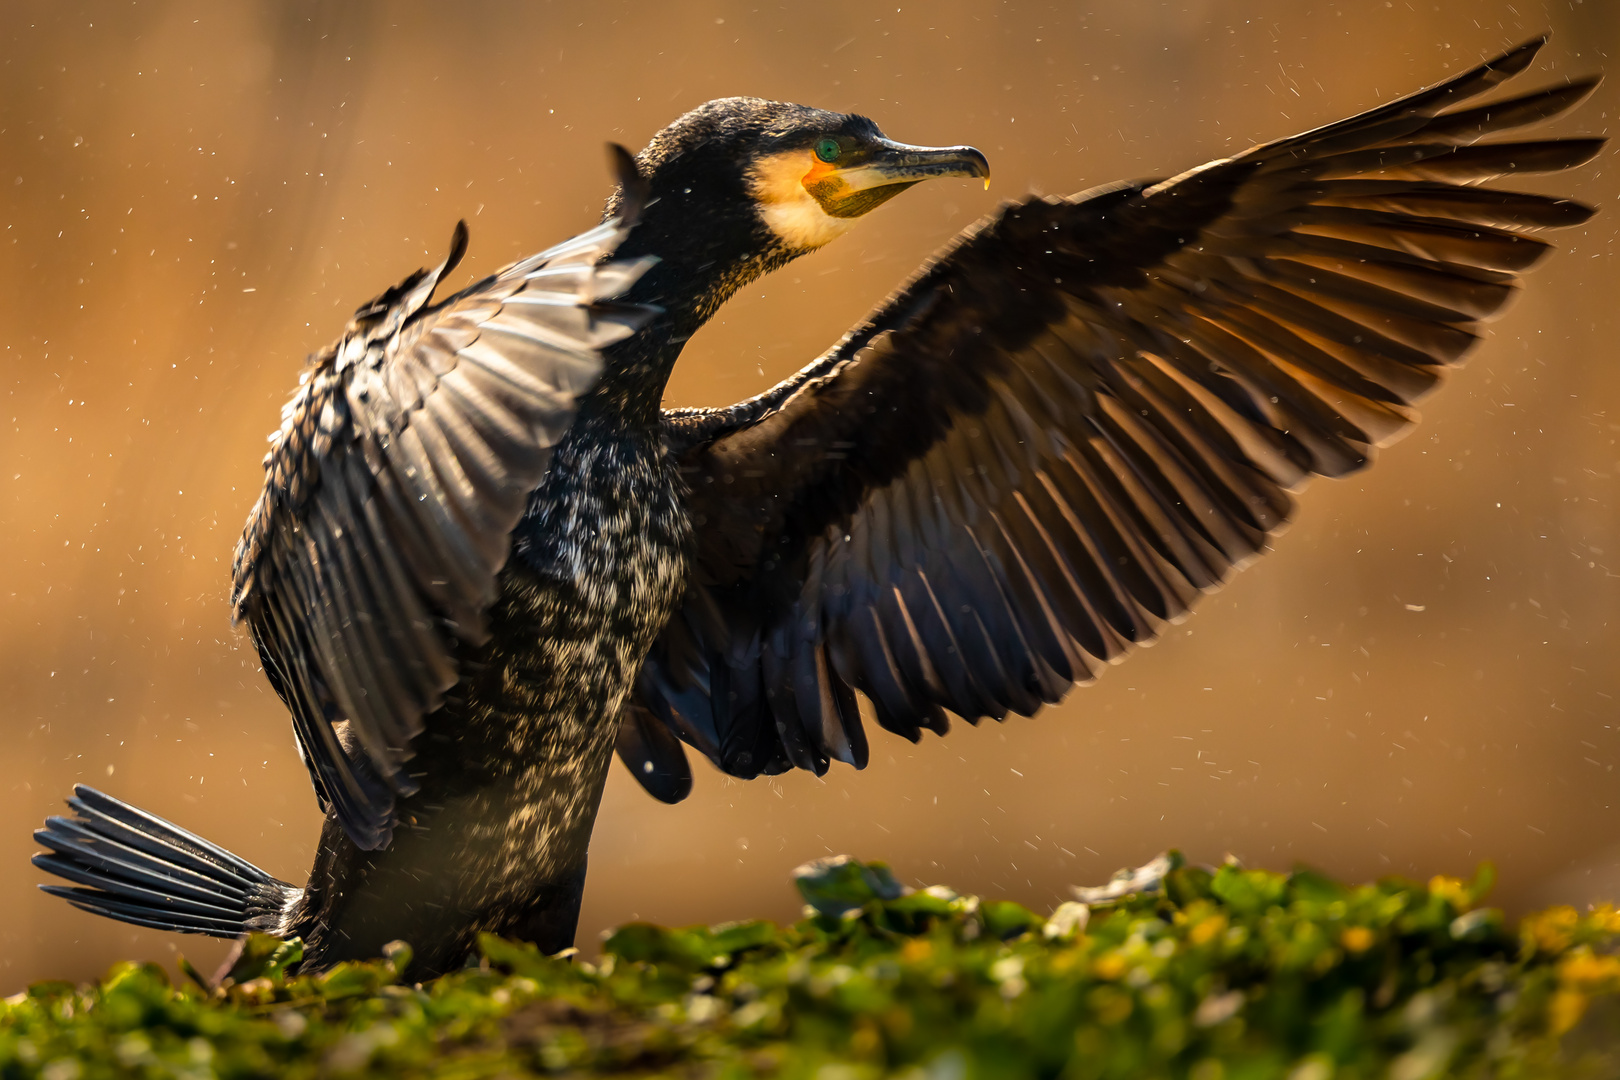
(485, 554)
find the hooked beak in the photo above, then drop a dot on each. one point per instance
(887, 171)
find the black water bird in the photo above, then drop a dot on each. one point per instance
(484, 553)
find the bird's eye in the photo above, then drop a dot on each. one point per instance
(827, 150)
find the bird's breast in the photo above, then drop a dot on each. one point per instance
(598, 564)
(513, 767)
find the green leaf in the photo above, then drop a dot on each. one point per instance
(1005, 919)
(518, 957)
(839, 884)
(732, 938)
(265, 957)
(692, 948)
(1248, 892)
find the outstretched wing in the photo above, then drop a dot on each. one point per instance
(401, 467)
(1078, 417)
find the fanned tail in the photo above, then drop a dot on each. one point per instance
(137, 868)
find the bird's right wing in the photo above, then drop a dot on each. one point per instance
(1080, 415)
(401, 467)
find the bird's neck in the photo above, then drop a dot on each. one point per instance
(694, 275)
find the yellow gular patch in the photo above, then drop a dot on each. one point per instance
(780, 186)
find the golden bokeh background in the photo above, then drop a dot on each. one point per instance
(194, 195)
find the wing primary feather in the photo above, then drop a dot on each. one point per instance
(1122, 572)
(909, 649)
(1423, 240)
(861, 656)
(1482, 206)
(960, 688)
(1102, 616)
(1532, 108)
(1430, 100)
(1055, 667)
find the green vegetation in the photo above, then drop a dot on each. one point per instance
(1225, 975)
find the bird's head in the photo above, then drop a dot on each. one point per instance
(739, 186)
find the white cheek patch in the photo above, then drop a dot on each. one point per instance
(802, 223)
(791, 212)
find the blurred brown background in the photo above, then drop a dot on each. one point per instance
(194, 195)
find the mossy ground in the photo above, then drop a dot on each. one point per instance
(1226, 975)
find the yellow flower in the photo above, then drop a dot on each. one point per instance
(1606, 918)
(1111, 966)
(1356, 939)
(1565, 1010)
(1454, 891)
(1550, 931)
(1581, 970)
(1207, 930)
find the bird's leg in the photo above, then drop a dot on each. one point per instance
(504, 856)
(553, 914)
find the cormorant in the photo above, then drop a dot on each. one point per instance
(483, 553)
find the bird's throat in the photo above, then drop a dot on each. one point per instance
(689, 291)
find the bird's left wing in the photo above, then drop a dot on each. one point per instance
(392, 487)
(1081, 415)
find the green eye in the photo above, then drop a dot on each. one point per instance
(827, 150)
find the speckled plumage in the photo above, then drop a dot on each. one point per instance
(518, 756)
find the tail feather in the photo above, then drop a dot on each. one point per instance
(142, 913)
(138, 868)
(84, 847)
(119, 884)
(162, 838)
